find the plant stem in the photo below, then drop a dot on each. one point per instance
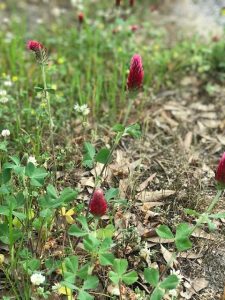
(130, 102)
(47, 98)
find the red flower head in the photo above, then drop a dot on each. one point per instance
(98, 204)
(39, 50)
(136, 74)
(118, 2)
(34, 46)
(81, 17)
(134, 28)
(220, 172)
(132, 3)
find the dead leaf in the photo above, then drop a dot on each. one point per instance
(196, 286)
(169, 257)
(158, 240)
(144, 184)
(189, 255)
(152, 196)
(202, 234)
(188, 140)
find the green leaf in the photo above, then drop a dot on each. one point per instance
(83, 221)
(105, 245)
(106, 232)
(183, 244)
(5, 175)
(4, 210)
(74, 230)
(130, 277)
(3, 146)
(151, 276)
(182, 241)
(39, 88)
(71, 264)
(103, 156)
(90, 283)
(118, 128)
(91, 243)
(217, 216)
(170, 283)
(133, 130)
(38, 176)
(84, 271)
(84, 296)
(52, 192)
(32, 265)
(29, 170)
(114, 277)
(50, 91)
(89, 154)
(211, 225)
(183, 230)
(164, 232)
(68, 195)
(157, 294)
(120, 266)
(111, 193)
(106, 259)
(191, 212)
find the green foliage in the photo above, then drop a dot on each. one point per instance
(119, 273)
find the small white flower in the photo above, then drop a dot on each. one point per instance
(173, 293)
(77, 107)
(37, 278)
(85, 110)
(4, 100)
(82, 109)
(8, 83)
(3, 93)
(32, 159)
(56, 286)
(5, 132)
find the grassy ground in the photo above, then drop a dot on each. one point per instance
(149, 182)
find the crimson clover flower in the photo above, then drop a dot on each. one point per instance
(220, 172)
(39, 50)
(136, 74)
(80, 17)
(98, 204)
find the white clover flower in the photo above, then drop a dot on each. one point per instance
(77, 107)
(4, 100)
(3, 93)
(173, 293)
(5, 133)
(32, 159)
(85, 110)
(82, 109)
(8, 83)
(37, 278)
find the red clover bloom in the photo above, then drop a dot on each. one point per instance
(220, 172)
(39, 50)
(34, 46)
(98, 204)
(81, 17)
(136, 74)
